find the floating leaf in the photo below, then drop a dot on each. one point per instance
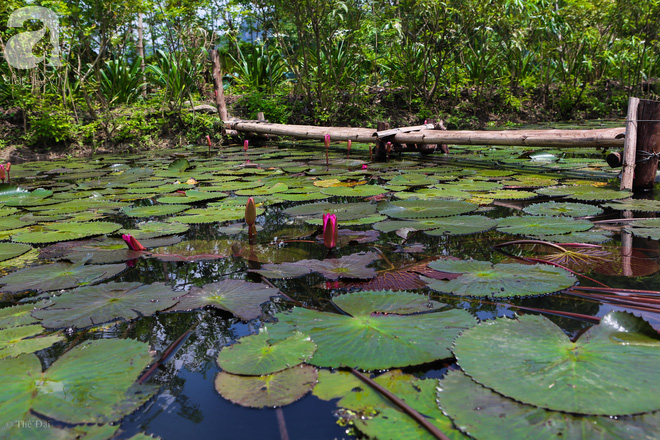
(154, 210)
(349, 266)
(66, 231)
(277, 188)
(385, 302)
(193, 196)
(542, 225)
(584, 193)
(16, 316)
(638, 205)
(93, 305)
(356, 191)
(282, 271)
(343, 211)
(278, 389)
(257, 355)
(484, 414)
(482, 278)
(542, 367)
(19, 340)
(414, 209)
(155, 229)
(239, 297)
(372, 341)
(58, 276)
(463, 225)
(565, 209)
(85, 385)
(12, 250)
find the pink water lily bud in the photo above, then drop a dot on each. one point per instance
(8, 166)
(132, 243)
(250, 212)
(364, 166)
(245, 145)
(208, 139)
(330, 230)
(348, 148)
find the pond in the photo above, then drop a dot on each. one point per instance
(499, 292)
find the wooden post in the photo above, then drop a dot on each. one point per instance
(261, 116)
(217, 86)
(381, 148)
(630, 145)
(648, 145)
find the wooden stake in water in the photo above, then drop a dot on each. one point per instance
(348, 148)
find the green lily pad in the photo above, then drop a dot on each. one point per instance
(263, 190)
(282, 271)
(239, 297)
(638, 205)
(256, 355)
(94, 251)
(277, 389)
(384, 340)
(100, 374)
(12, 250)
(565, 209)
(343, 211)
(154, 210)
(542, 367)
(19, 340)
(482, 278)
(355, 191)
(463, 225)
(66, 231)
(14, 222)
(58, 276)
(155, 229)
(585, 193)
(349, 266)
(16, 316)
(193, 196)
(650, 233)
(385, 302)
(485, 414)
(510, 194)
(94, 305)
(542, 225)
(414, 209)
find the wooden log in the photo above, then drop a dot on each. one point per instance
(630, 145)
(615, 159)
(648, 145)
(606, 137)
(218, 87)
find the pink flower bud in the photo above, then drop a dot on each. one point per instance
(330, 230)
(132, 243)
(245, 145)
(250, 212)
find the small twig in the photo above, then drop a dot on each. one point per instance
(167, 353)
(402, 405)
(281, 424)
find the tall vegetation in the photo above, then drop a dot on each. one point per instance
(325, 61)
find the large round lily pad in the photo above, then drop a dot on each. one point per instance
(612, 369)
(487, 415)
(563, 209)
(155, 229)
(12, 250)
(377, 340)
(92, 383)
(277, 389)
(154, 210)
(66, 231)
(58, 276)
(257, 355)
(414, 209)
(542, 225)
(239, 297)
(18, 340)
(93, 305)
(463, 225)
(348, 266)
(482, 278)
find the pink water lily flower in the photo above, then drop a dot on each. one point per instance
(132, 243)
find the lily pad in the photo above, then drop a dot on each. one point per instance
(93, 305)
(103, 384)
(542, 225)
(16, 316)
(239, 297)
(66, 231)
(542, 367)
(584, 192)
(638, 205)
(414, 209)
(12, 250)
(385, 302)
(192, 196)
(155, 229)
(463, 225)
(482, 278)
(356, 191)
(485, 414)
(282, 271)
(565, 209)
(154, 210)
(278, 389)
(374, 340)
(58, 276)
(349, 266)
(257, 355)
(19, 340)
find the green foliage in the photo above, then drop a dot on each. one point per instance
(275, 107)
(260, 68)
(121, 81)
(50, 122)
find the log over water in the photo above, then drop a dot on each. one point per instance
(606, 137)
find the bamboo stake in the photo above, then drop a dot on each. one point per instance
(630, 145)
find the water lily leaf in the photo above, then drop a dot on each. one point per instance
(384, 340)
(542, 225)
(482, 278)
(16, 316)
(58, 276)
(66, 231)
(19, 340)
(216, 214)
(93, 305)
(154, 210)
(591, 236)
(99, 373)
(263, 190)
(303, 197)
(542, 367)
(638, 205)
(343, 211)
(179, 165)
(463, 225)
(239, 297)
(349, 266)
(484, 414)
(12, 250)
(282, 271)
(155, 229)
(510, 194)
(385, 302)
(357, 222)
(256, 355)
(650, 233)
(414, 209)
(192, 196)
(32, 198)
(277, 389)
(565, 209)
(403, 278)
(14, 222)
(356, 191)
(585, 193)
